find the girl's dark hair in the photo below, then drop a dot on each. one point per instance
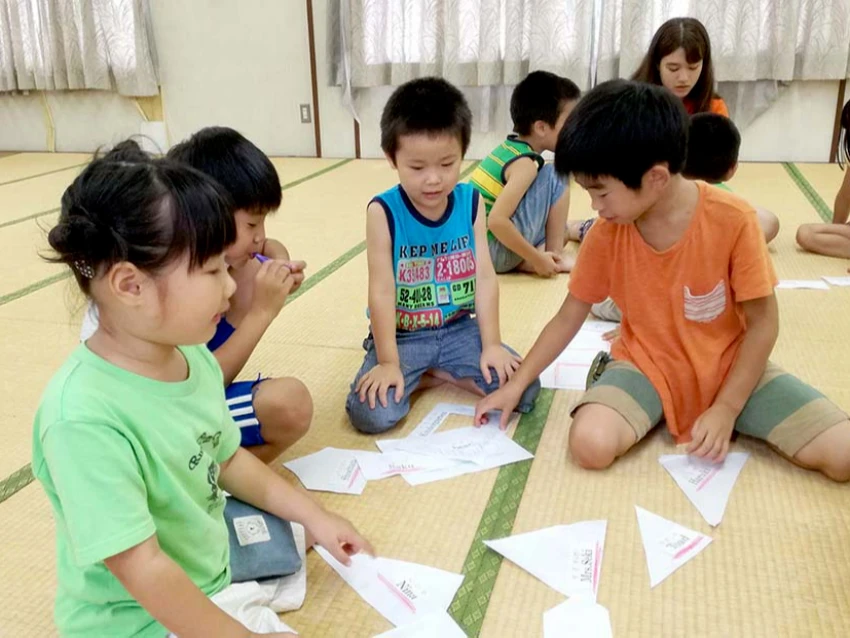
(128, 206)
(690, 35)
(844, 146)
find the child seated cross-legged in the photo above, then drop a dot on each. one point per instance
(688, 266)
(133, 441)
(433, 294)
(526, 202)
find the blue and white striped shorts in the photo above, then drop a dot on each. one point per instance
(240, 402)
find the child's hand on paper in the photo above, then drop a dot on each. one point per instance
(377, 383)
(338, 536)
(712, 433)
(501, 360)
(505, 399)
(611, 335)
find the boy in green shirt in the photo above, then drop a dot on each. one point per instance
(526, 202)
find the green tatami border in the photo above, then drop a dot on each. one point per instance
(481, 566)
(809, 191)
(53, 172)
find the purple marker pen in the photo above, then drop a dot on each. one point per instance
(260, 258)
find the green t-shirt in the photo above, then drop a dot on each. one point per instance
(123, 457)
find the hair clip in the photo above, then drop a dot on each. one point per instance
(84, 269)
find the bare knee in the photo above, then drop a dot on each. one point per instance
(284, 407)
(805, 234)
(829, 453)
(598, 436)
(769, 226)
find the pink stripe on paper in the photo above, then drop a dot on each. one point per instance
(688, 547)
(404, 599)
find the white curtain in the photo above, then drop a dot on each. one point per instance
(751, 40)
(468, 42)
(77, 44)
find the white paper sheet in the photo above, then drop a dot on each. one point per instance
(438, 624)
(502, 451)
(667, 545)
(568, 558)
(401, 592)
(837, 281)
(440, 412)
(707, 485)
(577, 618)
(813, 284)
(569, 371)
(376, 466)
(329, 470)
(462, 444)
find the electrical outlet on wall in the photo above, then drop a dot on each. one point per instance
(306, 116)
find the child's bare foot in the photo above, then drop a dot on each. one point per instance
(574, 229)
(564, 263)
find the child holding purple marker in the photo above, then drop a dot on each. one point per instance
(271, 413)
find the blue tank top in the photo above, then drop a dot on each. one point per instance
(223, 332)
(433, 261)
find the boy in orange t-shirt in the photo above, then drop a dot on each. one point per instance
(688, 266)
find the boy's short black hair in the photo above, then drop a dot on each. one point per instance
(244, 171)
(713, 145)
(540, 97)
(621, 129)
(429, 105)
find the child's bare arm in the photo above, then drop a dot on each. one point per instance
(842, 200)
(556, 223)
(375, 384)
(169, 595)
(249, 479)
(486, 285)
(381, 284)
(519, 177)
(712, 431)
(762, 331)
(272, 285)
(556, 336)
(273, 249)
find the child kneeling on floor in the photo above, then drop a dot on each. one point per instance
(688, 266)
(525, 201)
(429, 267)
(133, 442)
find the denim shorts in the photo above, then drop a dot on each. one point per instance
(454, 348)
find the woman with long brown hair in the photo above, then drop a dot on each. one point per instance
(679, 58)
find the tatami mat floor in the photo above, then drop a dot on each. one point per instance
(779, 565)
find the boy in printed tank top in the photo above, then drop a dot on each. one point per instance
(688, 265)
(433, 296)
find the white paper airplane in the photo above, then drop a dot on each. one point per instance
(568, 558)
(578, 617)
(667, 545)
(707, 485)
(436, 624)
(329, 470)
(811, 284)
(401, 592)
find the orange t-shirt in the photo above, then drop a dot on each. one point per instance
(717, 106)
(682, 317)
